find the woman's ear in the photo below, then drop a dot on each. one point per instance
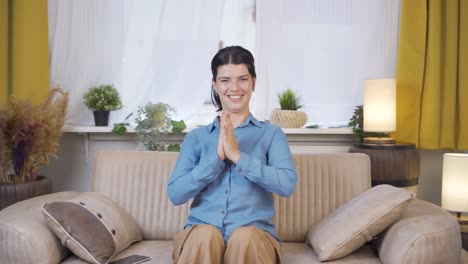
(253, 85)
(213, 85)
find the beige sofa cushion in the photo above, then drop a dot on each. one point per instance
(358, 221)
(425, 233)
(24, 234)
(92, 226)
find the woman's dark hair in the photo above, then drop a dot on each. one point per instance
(230, 55)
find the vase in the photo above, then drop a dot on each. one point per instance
(101, 118)
(11, 193)
(288, 118)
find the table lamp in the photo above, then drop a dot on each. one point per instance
(379, 109)
(455, 183)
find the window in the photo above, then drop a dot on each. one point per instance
(160, 51)
(324, 50)
(151, 50)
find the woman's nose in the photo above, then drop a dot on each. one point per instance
(235, 86)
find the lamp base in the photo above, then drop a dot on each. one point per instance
(379, 140)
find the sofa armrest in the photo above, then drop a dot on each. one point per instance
(24, 235)
(425, 233)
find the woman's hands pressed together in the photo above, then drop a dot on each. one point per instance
(228, 146)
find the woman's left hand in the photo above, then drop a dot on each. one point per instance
(230, 144)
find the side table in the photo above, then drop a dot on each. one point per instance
(463, 221)
(395, 164)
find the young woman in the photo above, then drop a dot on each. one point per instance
(230, 168)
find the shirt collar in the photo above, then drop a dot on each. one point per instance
(249, 120)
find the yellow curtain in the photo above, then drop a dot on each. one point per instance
(432, 74)
(24, 52)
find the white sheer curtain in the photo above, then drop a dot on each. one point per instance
(151, 50)
(324, 50)
(239, 24)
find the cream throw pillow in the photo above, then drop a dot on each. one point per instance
(357, 221)
(92, 226)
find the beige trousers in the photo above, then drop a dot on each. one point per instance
(205, 244)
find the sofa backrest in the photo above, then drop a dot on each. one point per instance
(137, 181)
(324, 182)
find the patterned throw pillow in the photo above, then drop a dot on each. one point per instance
(92, 226)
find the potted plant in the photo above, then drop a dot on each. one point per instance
(101, 100)
(288, 116)
(154, 123)
(29, 136)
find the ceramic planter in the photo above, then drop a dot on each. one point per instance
(288, 118)
(11, 193)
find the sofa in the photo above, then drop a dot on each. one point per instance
(137, 182)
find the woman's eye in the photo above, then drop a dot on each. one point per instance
(224, 81)
(244, 79)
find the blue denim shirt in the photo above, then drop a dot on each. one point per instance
(228, 195)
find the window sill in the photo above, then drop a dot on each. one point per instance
(287, 131)
(297, 137)
(300, 139)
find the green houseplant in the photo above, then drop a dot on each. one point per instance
(29, 136)
(101, 100)
(288, 116)
(154, 123)
(288, 100)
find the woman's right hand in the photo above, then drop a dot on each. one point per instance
(220, 149)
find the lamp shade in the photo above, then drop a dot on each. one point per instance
(380, 105)
(455, 182)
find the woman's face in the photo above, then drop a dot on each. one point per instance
(234, 85)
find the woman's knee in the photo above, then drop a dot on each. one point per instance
(251, 245)
(244, 234)
(202, 244)
(207, 234)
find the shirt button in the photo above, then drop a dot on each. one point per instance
(226, 192)
(222, 212)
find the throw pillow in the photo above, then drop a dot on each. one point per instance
(357, 221)
(92, 226)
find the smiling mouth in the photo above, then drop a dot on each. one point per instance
(235, 98)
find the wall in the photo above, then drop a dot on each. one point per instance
(73, 168)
